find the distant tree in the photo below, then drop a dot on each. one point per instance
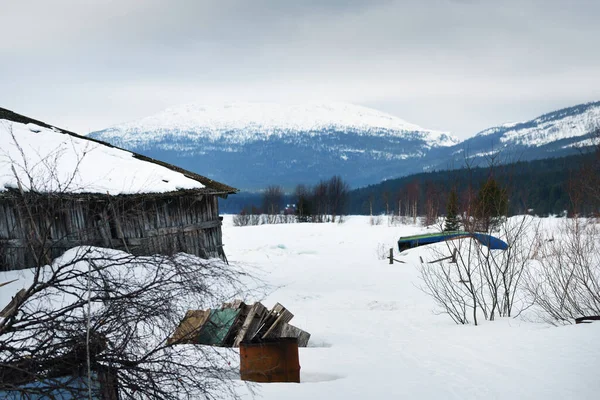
(272, 202)
(491, 205)
(452, 223)
(371, 200)
(304, 208)
(386, 201)
(432, 199)
(413, 191)
(337, 193)
(320, 202)
(584, 184)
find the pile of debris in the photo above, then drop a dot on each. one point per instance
(235, 323)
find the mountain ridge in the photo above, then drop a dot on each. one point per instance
(252, 145)
(256, 121)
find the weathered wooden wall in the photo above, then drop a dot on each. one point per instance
(40, 227)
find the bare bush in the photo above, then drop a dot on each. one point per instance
(375, 220)
(564, 282)
(394, 220)
(288, 218)
(255, 218)
(98, 309)
(470, 281)
(249, 216)
(241, 219)
(381, 251)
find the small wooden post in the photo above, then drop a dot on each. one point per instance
(391, 255)
(453, 261)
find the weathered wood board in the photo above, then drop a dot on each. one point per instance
(140, 224)
(189, 328)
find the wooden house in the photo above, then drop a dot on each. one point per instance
(59, 190)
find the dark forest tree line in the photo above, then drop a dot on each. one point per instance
(540, 187)
(324, 202)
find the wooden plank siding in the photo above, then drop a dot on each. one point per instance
(142, 224)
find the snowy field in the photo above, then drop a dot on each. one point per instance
(375, 335)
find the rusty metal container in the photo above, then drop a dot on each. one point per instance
(273, 360)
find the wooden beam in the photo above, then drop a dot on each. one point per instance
(183, 229)
(278, 315)
(251, 323)
(6, 283)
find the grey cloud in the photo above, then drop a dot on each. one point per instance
(95, 63)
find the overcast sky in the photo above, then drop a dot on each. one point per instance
(452, 65)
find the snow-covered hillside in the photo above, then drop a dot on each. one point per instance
(552, 127)
(244, 122)
(556, 134)
(252, 145)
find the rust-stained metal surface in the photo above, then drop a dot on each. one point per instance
(270, 361)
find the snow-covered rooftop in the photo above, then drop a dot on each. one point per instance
(46, 159)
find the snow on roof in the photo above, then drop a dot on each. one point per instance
(46, 159)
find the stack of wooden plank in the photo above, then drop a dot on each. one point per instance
(235, 323)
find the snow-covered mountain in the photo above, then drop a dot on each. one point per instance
(250, 145)
(568, 123)
(558, 133)
(240, 123)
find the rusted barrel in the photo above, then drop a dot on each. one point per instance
(273, 360)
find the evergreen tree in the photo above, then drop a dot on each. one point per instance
(491, 206)
(304, 208)
(452, 223)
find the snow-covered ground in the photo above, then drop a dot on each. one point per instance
(375, 334)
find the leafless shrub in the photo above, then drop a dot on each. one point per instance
(381, 251)
(255, 219)
(241, 219)
(564, 282)
(452, 293)
(98, 309)
(479, 282)
(375, 220)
